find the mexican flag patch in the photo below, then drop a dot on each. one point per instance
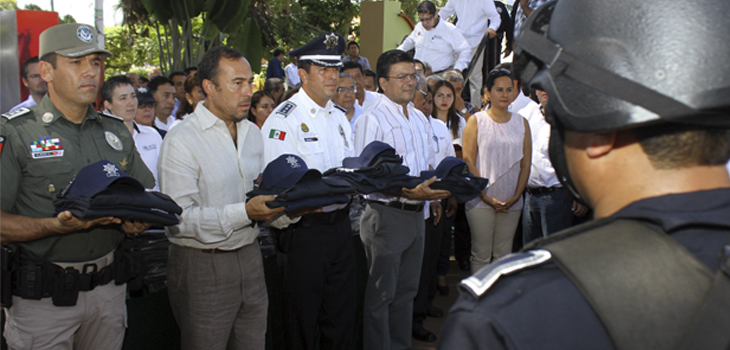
(277, 134)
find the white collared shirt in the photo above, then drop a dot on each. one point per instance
(322, 136)
(29, 102)
(208, 176)
(292, 75)
(162, 126)
(411, 136)
(475, 17)
(443, 143)
(148, 142)
(370, 100)
(442, 47)
(542, 173)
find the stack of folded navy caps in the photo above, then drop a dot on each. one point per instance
(377, 169)
(298, 187)
(453, 175)
(101, 189)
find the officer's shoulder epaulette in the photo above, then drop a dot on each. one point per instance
(342, 109)
(16, 113)
(108, 115)
(286, 108)
(483, 279)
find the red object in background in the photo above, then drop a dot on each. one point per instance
(30, 25)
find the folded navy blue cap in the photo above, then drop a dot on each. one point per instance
(368, 154)
(325, 50)
(285, 171)
(97, 177)
(449, 165)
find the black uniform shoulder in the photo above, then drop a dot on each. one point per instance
(483, 279)
(112, 116)
(16, 113)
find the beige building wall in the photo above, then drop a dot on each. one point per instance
(381, 29)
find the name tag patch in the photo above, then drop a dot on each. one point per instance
(311, 139)
(46, 147)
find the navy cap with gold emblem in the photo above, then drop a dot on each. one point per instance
(326, 50)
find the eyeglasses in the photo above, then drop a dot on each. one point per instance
(343, 90)
(497, 70)
(423, 92)
(404, 78)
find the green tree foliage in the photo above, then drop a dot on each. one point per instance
(130, 50)
(6, 5)
(66, 19)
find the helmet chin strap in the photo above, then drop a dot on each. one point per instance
(560, 162)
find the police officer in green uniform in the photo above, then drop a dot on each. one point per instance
(64, 293)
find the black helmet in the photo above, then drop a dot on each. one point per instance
(610, 65)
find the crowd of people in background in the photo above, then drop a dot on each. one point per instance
(431, 98)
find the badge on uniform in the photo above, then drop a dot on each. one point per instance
(46, 147)
(113, 140)
(47, 117)
(277, 134)
(344, 138)
(305, 128)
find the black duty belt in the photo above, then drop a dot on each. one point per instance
(542, 190)
(329, 218)
(400, 205)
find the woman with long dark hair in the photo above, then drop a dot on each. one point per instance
(262, 104)
(497, 146)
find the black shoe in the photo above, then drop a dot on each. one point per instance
(424, 335)
(435, 312)
(443, 290)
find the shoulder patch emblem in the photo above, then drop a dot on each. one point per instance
(481, 281)
(111, 116)
(286, 108)
(16, 113)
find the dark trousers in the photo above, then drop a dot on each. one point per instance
(447, 234)
(462, 237)
(431, 250)
(319, 282)
(545, 214)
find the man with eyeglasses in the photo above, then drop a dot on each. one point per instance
(345, 98)
(437, 42)
(392, 226)
(366, 99)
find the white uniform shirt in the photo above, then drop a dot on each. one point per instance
(208, 176)
(475, 17)
(358, 112)
(520, 102)
(442, 47)
(411, 136)
(321, 136)
(443, 144)
(148, 142)
(292, 75)
(30, 102)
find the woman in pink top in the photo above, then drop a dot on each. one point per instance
(497, 146)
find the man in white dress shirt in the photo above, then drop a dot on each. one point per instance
(163, 89)
(475, 18)
(437, 42)
(319, 269)
(392, 227)
(207, 165)
(37, 87)
(291, 71)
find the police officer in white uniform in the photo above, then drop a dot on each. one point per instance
(319, 269)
